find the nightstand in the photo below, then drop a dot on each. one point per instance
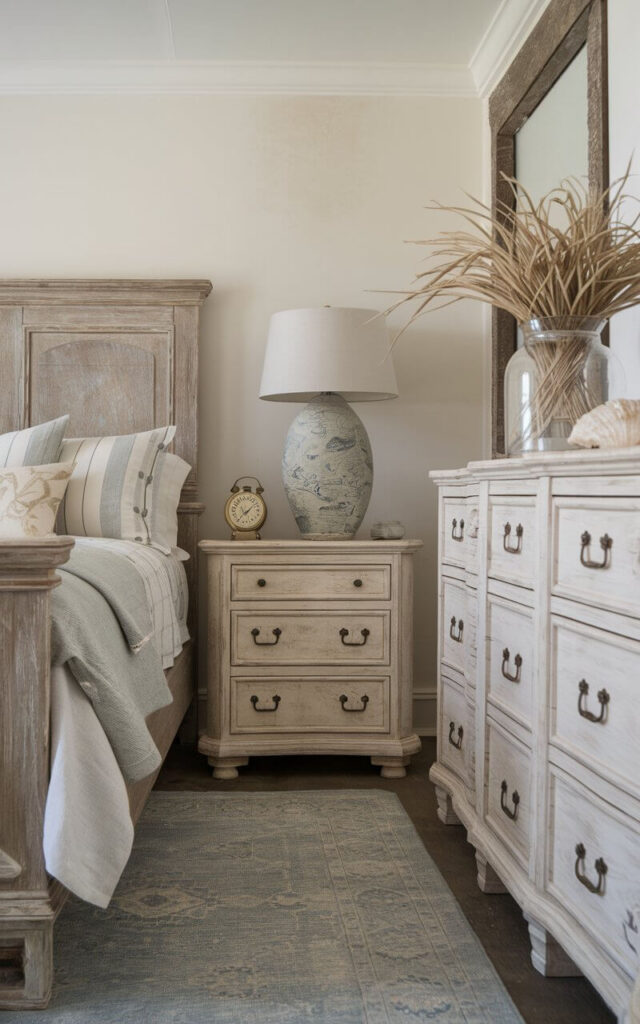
(309, 651)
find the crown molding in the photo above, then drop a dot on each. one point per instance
(257, 77)
(506, 33)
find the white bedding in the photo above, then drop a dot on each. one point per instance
(87, 830)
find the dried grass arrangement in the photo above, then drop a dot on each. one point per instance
(572, 255)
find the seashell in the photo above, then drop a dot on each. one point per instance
(616, 424)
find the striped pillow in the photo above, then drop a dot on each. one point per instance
(34, 446)
(126, 487)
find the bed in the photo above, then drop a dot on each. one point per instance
(119, 357)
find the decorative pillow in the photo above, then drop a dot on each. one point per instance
(126, 487)
(29, 498)
(35, 446)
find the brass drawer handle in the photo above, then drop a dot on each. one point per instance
(460, 534)
(364, 633)
(603, 700)
(513, 814)
(452, 626)
(343, 701)
(505, 539)
(606, 543)
(455, 743)
(517, 662)
(255, 633)
(600, 867)
(276, 700)
(262, 583)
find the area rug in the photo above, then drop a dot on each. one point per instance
(272, 908)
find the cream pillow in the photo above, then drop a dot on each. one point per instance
(29, 499)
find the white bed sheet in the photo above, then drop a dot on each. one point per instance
(87, 829)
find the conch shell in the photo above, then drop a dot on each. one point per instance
(616, 424)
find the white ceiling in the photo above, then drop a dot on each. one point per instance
(353, 31)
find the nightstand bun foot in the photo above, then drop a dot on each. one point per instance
(226, 768)
(391, 767)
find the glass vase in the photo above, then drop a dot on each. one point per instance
(561, 371)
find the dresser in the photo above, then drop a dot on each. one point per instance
(539, 699)
(310, 651)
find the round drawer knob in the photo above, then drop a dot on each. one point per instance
(262, 583)
(357, 583)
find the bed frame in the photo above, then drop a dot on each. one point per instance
(118, 356)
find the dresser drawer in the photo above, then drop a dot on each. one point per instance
(596, 555)
(594, 868)
(510, 658)
(512, 539)
(310, 705)
(453, 727)
(507, 796)
(595, 690)
(309, 638)
(262, 582)
(455, 631)
(460, 532)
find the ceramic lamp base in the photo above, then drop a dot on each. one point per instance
(327, 469)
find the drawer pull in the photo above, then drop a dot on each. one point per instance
(276, 700)
(600, 867)
(505, 539)
(605, 543)
(343, 701)
(603, 700)
(262, 583)
(255, 633)
(455, 743)
(357, 583)
(517, 662)
(513, 814)
(452, 626)
(459, 535)
(364, 633)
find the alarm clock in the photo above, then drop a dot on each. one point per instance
(245, 510)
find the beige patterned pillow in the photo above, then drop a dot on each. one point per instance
(29, 499)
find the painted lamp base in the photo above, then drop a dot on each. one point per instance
(327, 469)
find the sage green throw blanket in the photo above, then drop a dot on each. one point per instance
(101, 629)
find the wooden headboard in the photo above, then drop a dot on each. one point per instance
(118, 356)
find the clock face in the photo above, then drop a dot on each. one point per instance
(245, 511)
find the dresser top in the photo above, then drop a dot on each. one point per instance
(308, 547)
(582, 462)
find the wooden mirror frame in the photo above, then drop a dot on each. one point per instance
(564, 28)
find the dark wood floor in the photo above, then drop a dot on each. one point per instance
(497, 920)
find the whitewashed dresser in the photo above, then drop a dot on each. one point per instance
(539, 698)
(310, 651)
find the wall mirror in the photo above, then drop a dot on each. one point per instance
(548, 119)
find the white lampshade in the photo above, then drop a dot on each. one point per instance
(345, 351)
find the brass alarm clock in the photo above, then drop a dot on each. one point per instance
(245, 510)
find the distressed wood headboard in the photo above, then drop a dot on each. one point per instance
(118, 356)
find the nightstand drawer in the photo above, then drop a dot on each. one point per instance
(310, 705)
(262, 582)
(309, 638)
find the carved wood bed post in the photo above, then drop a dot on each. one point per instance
(27, 907)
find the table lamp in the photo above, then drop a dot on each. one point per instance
(327, 357)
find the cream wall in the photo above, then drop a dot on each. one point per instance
(281, 202)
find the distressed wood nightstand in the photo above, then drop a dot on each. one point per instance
(309, 651)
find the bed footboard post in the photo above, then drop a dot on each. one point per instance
(27, 902)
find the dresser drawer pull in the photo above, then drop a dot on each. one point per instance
(343, 701)
(357, 583)
(513, 814)
(605, 543)
(364, 633)
(457, 637)
(459, 535)
(505, 539)
(276, 700)
(262, 583)
(517, 662)
(600, 867)
(603, 700)
(255, 633)
(455, 743)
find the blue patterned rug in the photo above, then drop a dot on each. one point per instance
(272, 908)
